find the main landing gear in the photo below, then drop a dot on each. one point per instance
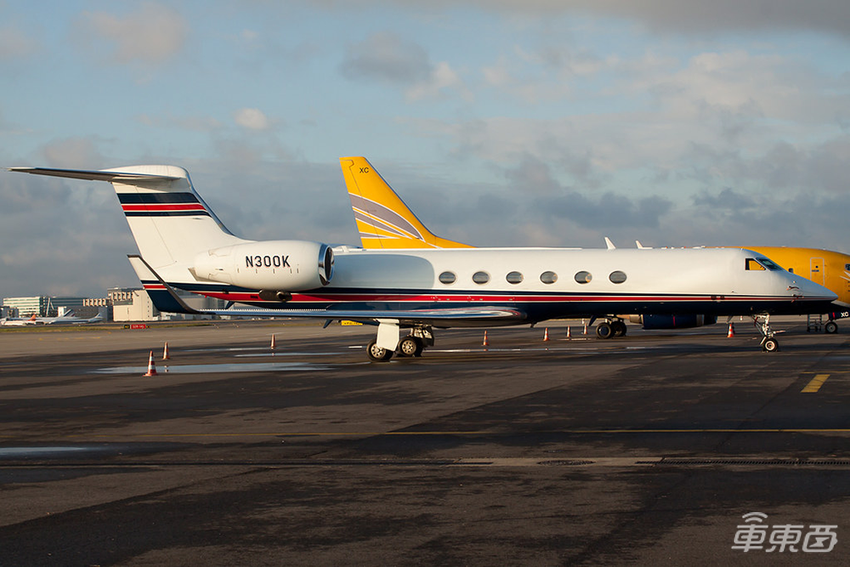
(768, 341)
(410, 346)
(610, 328)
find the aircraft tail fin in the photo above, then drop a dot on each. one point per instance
(383, 219)
(169, 220)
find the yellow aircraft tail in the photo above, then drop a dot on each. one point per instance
(383, 220)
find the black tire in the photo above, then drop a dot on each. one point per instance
(378, 354)
(410, 346)
(619, 328)
(604, 330)
(831, 327)
(770, 345)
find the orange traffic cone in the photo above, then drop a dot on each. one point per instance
(569, 333)
(546, 335)
(151, 366)
(486, 342)
(165, 355)
(585, 329)
(273, 343)
(731, 333)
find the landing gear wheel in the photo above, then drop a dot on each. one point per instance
(378, 354)
(770, 345)
(619, 328)
(604, 330)
(831, 327)
(410, 346)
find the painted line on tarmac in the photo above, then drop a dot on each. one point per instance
(814, 385)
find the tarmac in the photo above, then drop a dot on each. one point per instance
(647, 449)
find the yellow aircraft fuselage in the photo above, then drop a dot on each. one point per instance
(825, 267)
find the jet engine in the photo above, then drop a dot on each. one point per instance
(673, 321)
(274, 266)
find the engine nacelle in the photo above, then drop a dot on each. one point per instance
(673, 321)
(272, 265)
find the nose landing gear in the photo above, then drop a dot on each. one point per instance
(768, 341)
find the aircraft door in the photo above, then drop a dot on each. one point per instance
(817, 267)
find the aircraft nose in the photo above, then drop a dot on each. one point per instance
(812, 290)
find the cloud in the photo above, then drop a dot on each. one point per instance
(386, 57)
(14, 44)
(151, 35)
(442, 78)
(190, 123)
(660, 16)
(554, 201)
(697, 16)
(251, 118)
(727, 200)
(61, 237)
(73, 153)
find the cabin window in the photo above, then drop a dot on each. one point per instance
(847, 267)
(448, 278)
(481, 277)
(617, 277)
(753, 265)
(514, 278)
(548, 277)
(583, 277)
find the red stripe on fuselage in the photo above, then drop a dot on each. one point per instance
(327, 298)
(163, 207)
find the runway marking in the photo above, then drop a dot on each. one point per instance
(814, 385)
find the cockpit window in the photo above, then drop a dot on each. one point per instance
(754, 264)
(769, 264)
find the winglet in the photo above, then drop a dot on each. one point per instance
(609, 244)
(383, 219)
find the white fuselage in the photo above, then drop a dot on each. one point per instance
(554, 282)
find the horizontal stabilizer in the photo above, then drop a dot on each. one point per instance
(93, 175)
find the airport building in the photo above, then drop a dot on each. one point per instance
(131, 304)
(46, 306)
(26, 306)
(134, 304)
(120, 304)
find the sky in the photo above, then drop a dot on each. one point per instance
(500, 122)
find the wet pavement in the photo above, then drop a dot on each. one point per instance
(644, 450)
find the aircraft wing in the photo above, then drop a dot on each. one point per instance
(437, 317)
(457, 316)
